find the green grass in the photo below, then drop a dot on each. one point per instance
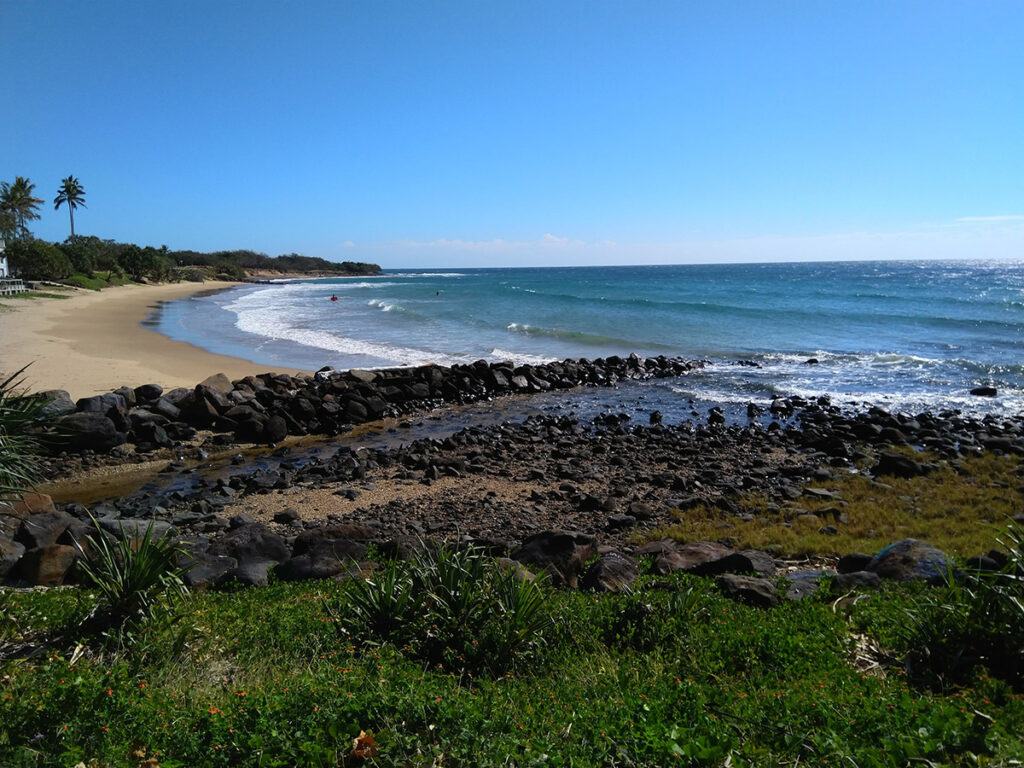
(665, 676)
(30, 295)
(956, 508)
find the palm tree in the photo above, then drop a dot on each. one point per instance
(17, 200)
(72, 193)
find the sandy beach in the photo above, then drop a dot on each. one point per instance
(93, 342)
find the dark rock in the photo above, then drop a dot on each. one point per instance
(241, 519)
(250, 573)
(761, 593)
(619, 522)
(47, 566)
(898, 465)
(745, 561)
(323, 553)
(42, 529)
(136, 528)
(640, 510)
(984, 392)
(90, 431)
(217, 381)
(856, 580)
(204, 569)
(695, 557)
(148, 393)
(611, 572)
(253, 542)
(803, 584)
(275, 429)
(911, 560)
(103, 404)
(562, 553)
(285, 516)
(58, 403)
(853, 562)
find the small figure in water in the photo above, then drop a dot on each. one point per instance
(334, 298)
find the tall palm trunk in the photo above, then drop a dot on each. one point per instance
(71, 213)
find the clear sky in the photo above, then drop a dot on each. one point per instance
(514, 132)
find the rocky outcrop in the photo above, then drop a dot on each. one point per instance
(269, 407)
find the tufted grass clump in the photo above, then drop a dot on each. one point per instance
(135, 579)
(453, 608)
(975, 620)
(22, 431)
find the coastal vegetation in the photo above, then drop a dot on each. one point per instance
(94, 262)
(956, 508)
(669, 674)
(19, 206)
(88, 261)
(23, 430)
(72, 194)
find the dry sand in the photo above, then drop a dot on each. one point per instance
(93, 342)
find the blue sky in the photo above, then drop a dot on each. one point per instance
(512, 132)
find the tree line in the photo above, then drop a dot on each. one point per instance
(35, 259)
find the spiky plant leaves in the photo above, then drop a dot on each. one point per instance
(134, 576)
(23, 429)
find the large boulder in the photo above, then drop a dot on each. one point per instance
(324, 553)
(761, 593)
(90, 431)
(561, 553)
(43, 529)
(253, 542)
(898, 465)
(694, 557)
(611, 572)
(134, 528)
(58, 403)
(255, 548)
(911, 560)
(217, 381)
(47, 566)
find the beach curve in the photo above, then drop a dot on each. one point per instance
(93, 342)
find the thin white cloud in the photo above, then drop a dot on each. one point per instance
(987, 237)
(974, 219)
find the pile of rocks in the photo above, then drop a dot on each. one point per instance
(40, 545)
(269, 407)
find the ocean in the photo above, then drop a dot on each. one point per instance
(911, 336)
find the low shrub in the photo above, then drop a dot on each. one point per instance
(456, 608)
(976, 619)
(22, 432)
(135, 579)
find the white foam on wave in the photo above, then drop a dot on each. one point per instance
(519, 358)
(428, 274)
(383, 305)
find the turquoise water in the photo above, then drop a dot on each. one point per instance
(916, 335)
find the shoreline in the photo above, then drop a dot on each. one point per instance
(93, 342)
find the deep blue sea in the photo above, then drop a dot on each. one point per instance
(909, 335)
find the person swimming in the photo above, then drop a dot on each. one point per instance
(334, 298)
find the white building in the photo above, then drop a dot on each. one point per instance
(4, 272)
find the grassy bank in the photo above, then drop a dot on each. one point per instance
(957, 508)
(674, 674)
